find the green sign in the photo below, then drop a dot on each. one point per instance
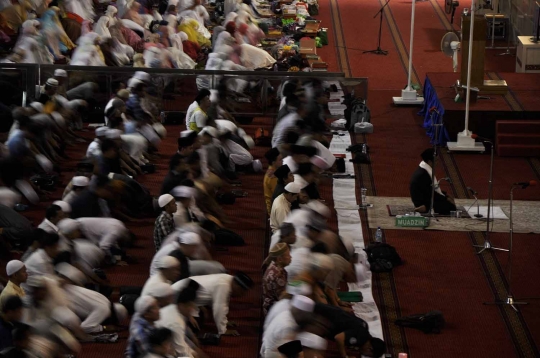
(412, 221)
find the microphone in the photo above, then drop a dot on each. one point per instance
(473, 192)
(525, 184)
(483, 139)
(434, 109)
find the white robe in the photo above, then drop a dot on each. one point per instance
(281, 330)
(214, 291)
(171, 318)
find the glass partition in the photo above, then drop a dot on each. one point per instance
(250, 93)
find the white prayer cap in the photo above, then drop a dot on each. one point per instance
(319, 162)
(187, 133)
(165, 199)
(72, 273)
(211, 131)
(101, 131)
(160, 290)
(64, 316)
(190, 238)
(80, 181)
(121, 312)
(13, 267)
(60, 73)
(142, 76)
(52, 82)
(173, 2)
(321, 261)
(67, 226)
(167, 262)
(113, 133)
(293, 188)
(37, 106)
(312, 341)
(318, 207)
(298, 288)
(66, 208)
(132, 82)
(303, 303)
(143, 303)
(183, 191)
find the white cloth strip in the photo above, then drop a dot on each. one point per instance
(350, 229)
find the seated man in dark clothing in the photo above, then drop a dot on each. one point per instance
(109, 161)
(92, 202)
(347, 330)
(177, 165)
(21, 338)
(12, 313)
(420, 188)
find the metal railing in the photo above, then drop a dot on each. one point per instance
(173, 90)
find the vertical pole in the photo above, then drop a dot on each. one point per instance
(469, 64)
(411, 45)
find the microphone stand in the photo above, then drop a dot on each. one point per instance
(379, 51)
(435, 142)
(510, 300)
(487, 244)
(477, 215)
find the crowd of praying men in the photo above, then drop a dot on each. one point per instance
(57, 295)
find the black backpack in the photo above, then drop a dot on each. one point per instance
(382, 257)
(430, 322)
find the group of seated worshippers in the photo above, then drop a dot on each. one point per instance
(307, 261)
(61, 278)
(138, 33)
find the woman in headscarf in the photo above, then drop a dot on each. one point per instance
(88, 53)
(84, 9)
(12, 17)
(121, 53)
(177, 50)
(57, 40)
(30, 42)
(194, 31)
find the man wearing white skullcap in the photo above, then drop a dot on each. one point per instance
(94, 149)
(312, 343)
(186, 209)
(281, 207)
(104, 232)
(286, 324)
(215, 291)
(91, 307)
(78, 184)
(169, 272)
(163, 293)
(16, 271)
(142, 324)
(164, 223)
(53, 215)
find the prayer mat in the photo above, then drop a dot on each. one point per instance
(394, 210)
(525, 215)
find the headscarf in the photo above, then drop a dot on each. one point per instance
(51, 25)
(102, 27)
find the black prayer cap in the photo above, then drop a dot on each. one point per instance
(304, 168)
(282, 172)
(291, 349)
(271, 155)
(301, 149)
(427, 154)
(243, 280)
(188, 294)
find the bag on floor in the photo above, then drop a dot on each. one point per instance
(128, 301)
(323, 35)
(382, 257)
(340, 165)
(357, 111)
(363, 127)
(430, 322)
(262, 138)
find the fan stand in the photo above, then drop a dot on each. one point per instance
(408, 95)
